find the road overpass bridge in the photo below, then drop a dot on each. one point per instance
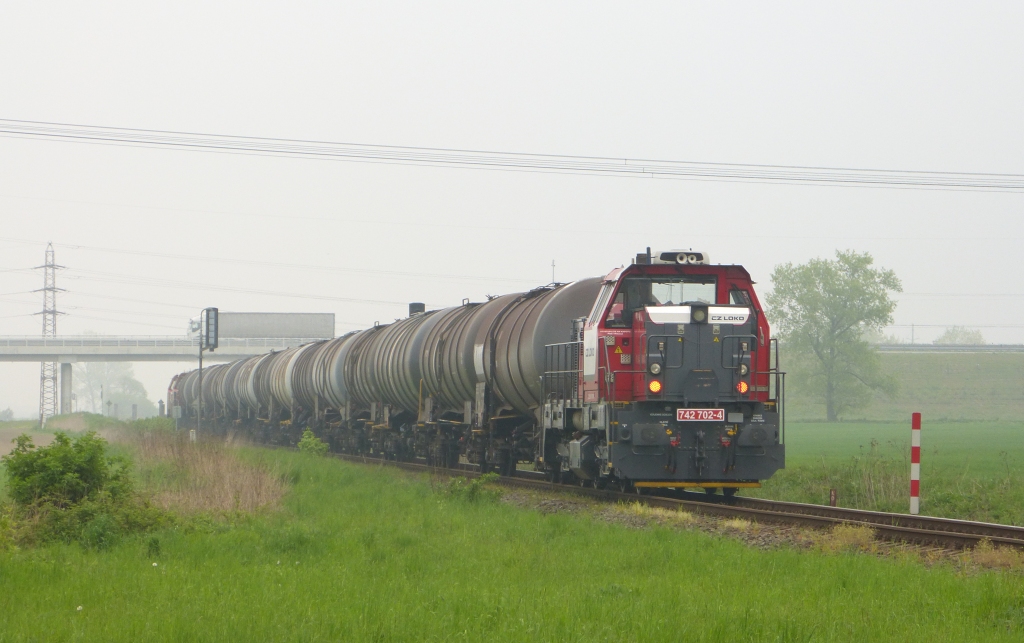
(69, 349)
(100, 348)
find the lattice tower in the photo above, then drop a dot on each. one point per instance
(48, 370)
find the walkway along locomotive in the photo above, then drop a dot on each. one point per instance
(660, 374)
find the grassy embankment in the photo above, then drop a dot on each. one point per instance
(943, 386)
(354, 553)
(972, 463)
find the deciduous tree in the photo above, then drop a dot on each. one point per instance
(961, 335)
(821, 310)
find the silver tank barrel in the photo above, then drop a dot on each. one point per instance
(229, 389)
(360, 368)
(439, 382)
(304, 370)
(245, 385)
(514, 358)
(330, 371)
(398, 355)
(280, 385)
(262, 377)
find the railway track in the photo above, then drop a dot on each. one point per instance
(920, 530)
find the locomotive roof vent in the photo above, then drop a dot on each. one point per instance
(416, 308)
(684, 257)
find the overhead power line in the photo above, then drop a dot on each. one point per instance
(512, 161)
(276, 264)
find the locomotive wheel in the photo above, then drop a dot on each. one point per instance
(710, 491)
(729, 491)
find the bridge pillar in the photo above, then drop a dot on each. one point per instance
(65, 388)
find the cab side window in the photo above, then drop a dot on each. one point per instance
(617, 315)
(739, 297)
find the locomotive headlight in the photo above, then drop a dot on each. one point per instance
(744, 369)
(654, 386)
(655, 368)
(742, 387)
(698, 315)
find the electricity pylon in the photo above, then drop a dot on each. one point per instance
(48, 370)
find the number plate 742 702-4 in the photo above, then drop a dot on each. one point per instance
(700, 415)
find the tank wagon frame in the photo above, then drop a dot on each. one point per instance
(660, 374)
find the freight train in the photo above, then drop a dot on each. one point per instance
(662, 373)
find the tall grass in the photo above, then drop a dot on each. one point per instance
(875, 479)
(208, 475)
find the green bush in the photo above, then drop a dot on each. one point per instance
(65, 472)
(72, 491)
(473, 490)
(312, 444)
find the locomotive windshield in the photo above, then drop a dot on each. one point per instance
(637, 292)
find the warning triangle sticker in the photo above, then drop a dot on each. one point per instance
(618, 349)
(716, 339)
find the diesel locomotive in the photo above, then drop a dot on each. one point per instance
(662, 373)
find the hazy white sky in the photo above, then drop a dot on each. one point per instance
(922, 86)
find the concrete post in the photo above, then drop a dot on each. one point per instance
(65, 388)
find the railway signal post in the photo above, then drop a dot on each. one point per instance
(915, 463)
(208, 340)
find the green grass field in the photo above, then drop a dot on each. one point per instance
(361, 554)
(969, 470)
(972, 462)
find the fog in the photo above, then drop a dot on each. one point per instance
(150, 236)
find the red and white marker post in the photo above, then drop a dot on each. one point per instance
(915, 463)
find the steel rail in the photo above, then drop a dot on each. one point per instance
(922, 530)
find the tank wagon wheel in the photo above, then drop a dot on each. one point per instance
(710, 490)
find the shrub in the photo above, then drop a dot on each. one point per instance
(312, 444)
(475, 490)
(95, 523)
(66, 472)
(72, 491)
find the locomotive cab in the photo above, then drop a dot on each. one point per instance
(676, 385)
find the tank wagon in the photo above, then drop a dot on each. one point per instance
(659, 374)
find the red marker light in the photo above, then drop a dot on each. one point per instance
(742, 387)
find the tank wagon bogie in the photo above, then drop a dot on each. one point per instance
(660, 374)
